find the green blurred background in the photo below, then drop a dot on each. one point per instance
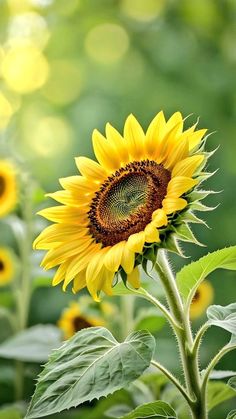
(69, 66)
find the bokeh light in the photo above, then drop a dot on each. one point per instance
(144, 11)
(107, 43)
(30, 27)
(24, 68)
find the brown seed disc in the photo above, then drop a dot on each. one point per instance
(125, 202)
(2, 185)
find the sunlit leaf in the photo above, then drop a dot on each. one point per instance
(158, 409)
(190, 276)
(218, 392)
(90, 365)
(224, 317)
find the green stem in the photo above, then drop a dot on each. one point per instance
(184, 337)
(174, 380)
(198, 338)
(210, 367)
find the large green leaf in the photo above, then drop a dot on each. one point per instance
(218, 392)
(32, 345)
(90, 365)
(190, 276)
(158, 409)
(224, 317)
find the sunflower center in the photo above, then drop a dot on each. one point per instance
(125, 202)
(80, 323)
(1, 266)
(2, 185)
(196, 296)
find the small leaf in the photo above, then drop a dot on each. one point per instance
(32, 345)
(191, 276)
(224, 317)
(232, 414)
(90, 365)
(117, 411)
(232, 383)
(185, 234)
(218, 392)
(158, 409)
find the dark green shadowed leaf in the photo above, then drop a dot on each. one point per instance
(90, 365)
(158, 409)
(190, 276)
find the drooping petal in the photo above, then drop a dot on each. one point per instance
(60, 274)
(171, 205)
(134, 278)
(135, 137)
(159, 218)
(94, 273)
(79, 281)
(136, 242)
(151, 233)
(178, 185)
(107, 282)
(188, 166)
(128, 258)
(112, 260)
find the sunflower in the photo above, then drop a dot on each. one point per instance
(202, 299)
(8, 189)
(124, 207)
(7, 266)
(72, 320)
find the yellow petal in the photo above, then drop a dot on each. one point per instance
(195, 138)
(151, 233)
(104, 152)
(113, 257)
(175, 120)
(179, 152)
(134, 136)
(187, 166)
(134, 278)
(155, 134)
(178, 185)
(64, 214)
(78, 184)
(70, 199)
(173, 204)
(117, 141)
(128, 258)
(64, 251)
(90, 169)
(107, 282)
(159, 218)
(94, 273)
(59, 233)
(79, 281)
(60, 274)
(136, 241)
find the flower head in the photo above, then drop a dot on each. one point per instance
(72, 320)
(7, 266)
(8, 188)
(202, 299)
(124, 207)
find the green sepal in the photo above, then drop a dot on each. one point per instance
(185, 234)
(190, 217)
(198, 206)
(171, 243)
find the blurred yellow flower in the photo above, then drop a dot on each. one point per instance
(8, 187)
(7, 266)
(122, 204)
(72, 320)
(202, 299)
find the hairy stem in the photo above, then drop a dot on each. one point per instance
(184, 337)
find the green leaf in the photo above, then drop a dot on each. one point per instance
(190, 276)
(150, 319)
(232, 383)
(90, 365)
(185, 234)
(232, 414)
(32, 345)
(219, 374)
(218, 392)
(224, 317)
(118, 411)
(158, 409)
